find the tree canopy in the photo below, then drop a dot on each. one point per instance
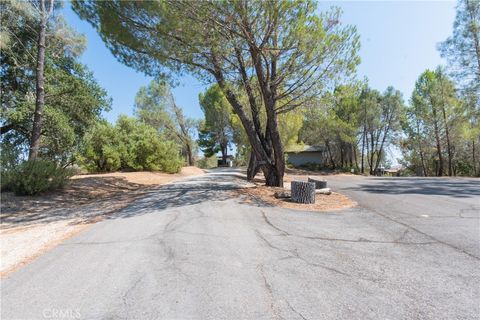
(462, 48)
(279, 54)
(156, 106)
(73, 99)
(215, 133)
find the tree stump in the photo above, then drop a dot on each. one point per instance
(319, 184)
(303, 192)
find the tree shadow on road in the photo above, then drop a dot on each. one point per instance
(89, 201)
(194, 191)
(82, 198)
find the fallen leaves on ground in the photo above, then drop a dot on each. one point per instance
(334, 201)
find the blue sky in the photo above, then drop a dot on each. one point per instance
(398, 43)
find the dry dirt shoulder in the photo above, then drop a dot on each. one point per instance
(32, 225)
(323, 203)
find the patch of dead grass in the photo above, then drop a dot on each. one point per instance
(334, 201)
(112, 191)
(146, 177)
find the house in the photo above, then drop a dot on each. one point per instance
(395, 171)
(306, 154)
(227, 163)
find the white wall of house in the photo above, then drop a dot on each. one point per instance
(297, 159)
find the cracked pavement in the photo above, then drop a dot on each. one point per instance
(189, 250)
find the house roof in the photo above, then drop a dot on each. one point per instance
(305, 148)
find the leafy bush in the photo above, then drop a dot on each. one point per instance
(207, 162)
(101, 149)
(129, 145)
(9, 156)
(34, 177)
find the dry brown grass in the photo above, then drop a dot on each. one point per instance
(146, 177)
(334, 201)
(111, 191)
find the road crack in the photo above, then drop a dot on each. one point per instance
(131, 288)
(293, 254)
(283, 232)
(295, 310)
(268, 288)
(359, 240)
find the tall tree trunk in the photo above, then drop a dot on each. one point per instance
(372, 154)
(354, 153)
(437, 140)
(424, 168)
(449, 147)
(272, 163)
(190, 158)
(274, 177)
(350, 155)
(473, 158)
(382, 144)
(327, 144)
(363, 149)
(342, 155)
(420, 150)
(40, 81)
(253, 167)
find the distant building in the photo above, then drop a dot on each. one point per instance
(306, 154)
(394, 171)
(227, 163)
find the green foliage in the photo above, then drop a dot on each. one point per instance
(216, 132)
(146, 149)
(9, 159)
(207, 141)
(354, 123)
(432, 125)
(73, 99)
(129, 145)
(290, 125)
(207, 162)
(267, 57)
(333, 121)
(462, 49)
(155, 106)
(101, 149)
(34, 177)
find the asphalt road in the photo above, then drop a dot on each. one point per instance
(191, 251)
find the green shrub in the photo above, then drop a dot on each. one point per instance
(9, 156)
(207, 162)
(101, 149)
(129, 145)
(34, 177)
